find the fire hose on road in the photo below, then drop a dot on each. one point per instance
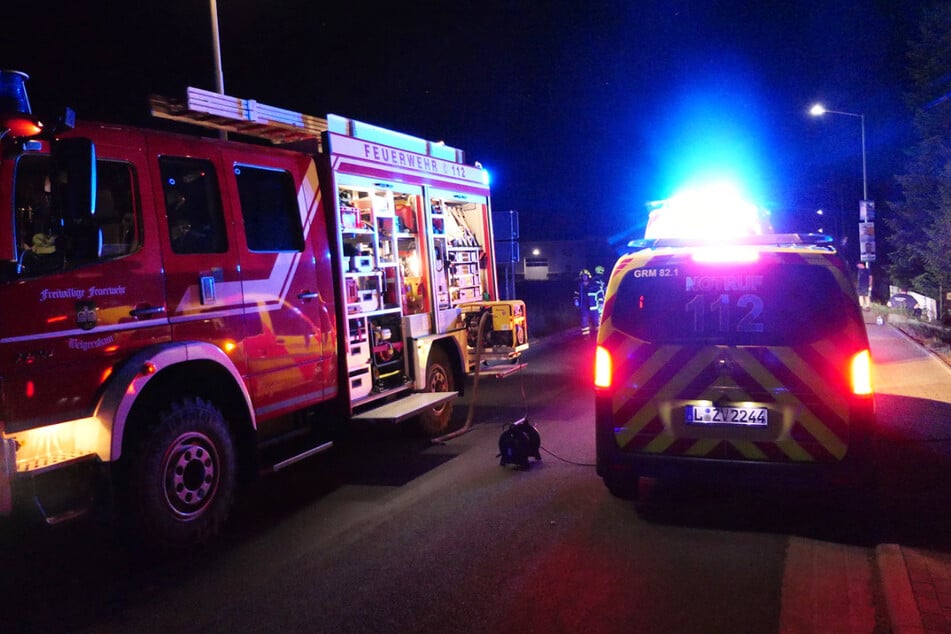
(483, 320)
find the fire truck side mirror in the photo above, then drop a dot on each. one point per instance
(73, 178)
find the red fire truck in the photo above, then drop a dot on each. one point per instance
(180, 312)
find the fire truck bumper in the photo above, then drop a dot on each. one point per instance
(8, 467)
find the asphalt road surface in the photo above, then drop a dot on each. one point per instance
(393, 534)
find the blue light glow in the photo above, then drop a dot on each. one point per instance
(714, 211)
(713, 124)
(714, 131)
(725, 254)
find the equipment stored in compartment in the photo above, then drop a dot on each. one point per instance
(506, 332)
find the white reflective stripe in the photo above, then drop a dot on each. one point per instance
(192, 296)
(78, 332)
(308, 198)
(231, 312)
(278, 282)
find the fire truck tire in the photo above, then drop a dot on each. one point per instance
(439, 378)
(182, 477)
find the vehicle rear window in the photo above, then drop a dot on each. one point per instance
(777, 304)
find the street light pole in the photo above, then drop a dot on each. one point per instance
(866, 207)
(864, 173)
(818, 110)
(216, 49)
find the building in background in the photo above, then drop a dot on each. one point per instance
(562, 259)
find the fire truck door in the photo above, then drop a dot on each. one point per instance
(198, 246)
(287, 286)
(87, 300)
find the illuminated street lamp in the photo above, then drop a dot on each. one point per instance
(866, 207)
(818, 110)
(831, 220)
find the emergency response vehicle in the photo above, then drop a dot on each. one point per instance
(744, 357)
(181, 312)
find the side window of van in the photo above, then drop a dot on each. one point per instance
(47, 242)
(192, 205)
(269, 206)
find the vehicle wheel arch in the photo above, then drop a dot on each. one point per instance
(149, 380)
(201, 379)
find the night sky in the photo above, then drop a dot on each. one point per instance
(582, 111)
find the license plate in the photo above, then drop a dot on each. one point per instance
(712, 415)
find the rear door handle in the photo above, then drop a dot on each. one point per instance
(308, 295)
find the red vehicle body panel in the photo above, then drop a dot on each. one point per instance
(53, 369)
(245, 292)
(273, 313)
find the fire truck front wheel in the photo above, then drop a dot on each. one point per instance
(439, 378)
(182, 476)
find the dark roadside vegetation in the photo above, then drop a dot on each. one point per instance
(549, 306)
(934, 335)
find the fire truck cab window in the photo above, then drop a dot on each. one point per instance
(47, 242)
(269, 207)
(192, 206)
(118, 218)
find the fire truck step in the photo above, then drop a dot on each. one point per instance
(401, 409)
(313, 451)
(64, 516)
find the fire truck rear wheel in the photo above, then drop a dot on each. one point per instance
(182, 476)
(439, 378)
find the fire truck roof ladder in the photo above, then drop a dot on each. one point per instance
(249, 117)
(242, 116)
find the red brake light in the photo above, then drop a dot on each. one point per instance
(602, 368)
(861, 373)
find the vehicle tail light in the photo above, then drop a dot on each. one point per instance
(861, 373)
(602, 368)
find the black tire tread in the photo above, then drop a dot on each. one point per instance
(148, 515)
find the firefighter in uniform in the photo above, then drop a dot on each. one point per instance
(601, 285)
(586, 301)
